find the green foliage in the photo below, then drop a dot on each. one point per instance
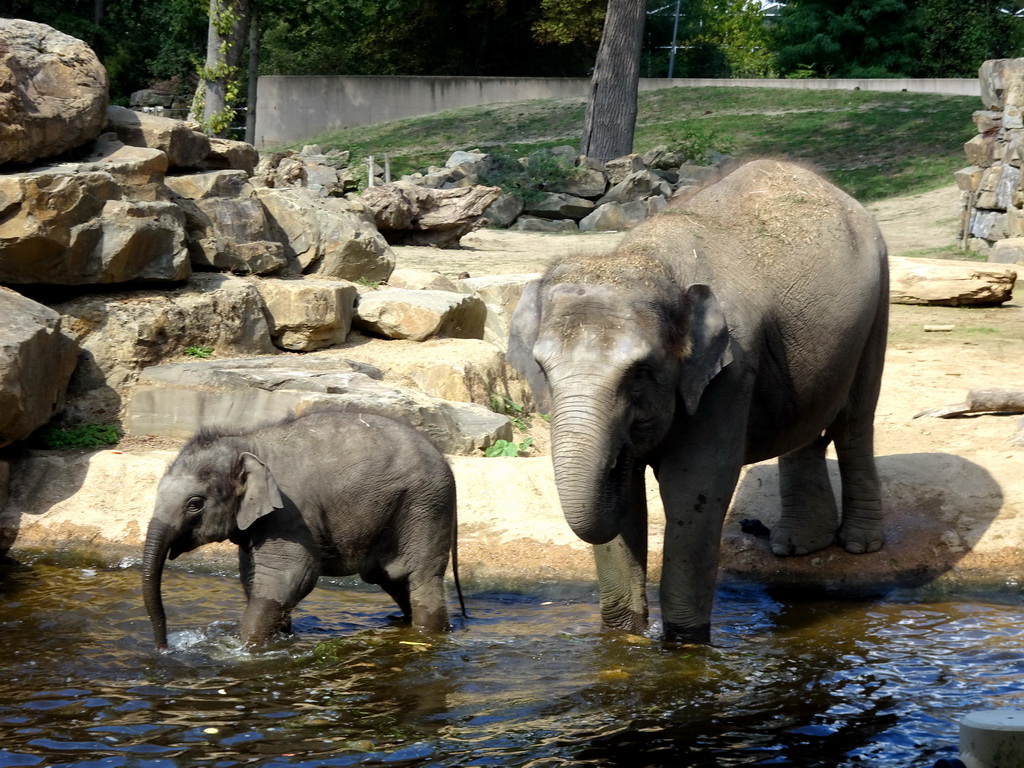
(961, 34)
(529, 178)
(850, 38)
(508, 407)
(508, 448)
(738, 29)
(199, 351)
(82, 436)
(564, 22)
(696, 141)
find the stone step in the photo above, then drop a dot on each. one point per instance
(177, 400)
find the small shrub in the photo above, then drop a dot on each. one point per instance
(199, 351)
(508, 407)
(82, 436)
(508, 448)
(695, 143)
(529, 179)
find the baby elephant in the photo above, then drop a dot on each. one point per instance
(328, 493)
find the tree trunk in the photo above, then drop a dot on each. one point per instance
(611, 101)
(254, 72)
(229, 23)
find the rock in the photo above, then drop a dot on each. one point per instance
(53, 92)
(500, 294)
(697, 175)
(1008, 251)
(558, 205)
(403, 314)
(969, 179)
(185, 148)
(997, 78)
(328, 237)
(584, 182)
(63, 227)
(150, 97)
(411, 215)
(981, 150)
(218, 183)
(280, 170)
(36, 361)
(948, 283)
(460, 370)
(122, 333)
(308, 314)
(637, 186)
(177, 400)
(536, 224)
(231, 235)
(138, 171)
(226, 154)
(422, 280)
(503, 211)
(609, 217)
(621, 167)
(323, 179)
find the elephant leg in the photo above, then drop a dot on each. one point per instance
(809, 514)
(697, 481)
(429, 603)
(397, 589)
(279, 578)
(622, 567)
(862, 528)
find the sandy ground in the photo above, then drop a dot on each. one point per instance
(954, 489)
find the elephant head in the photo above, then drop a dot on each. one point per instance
(212, 492)
(612, 344)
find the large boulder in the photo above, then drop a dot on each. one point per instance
(408, 214)
(53, 92)
(36, 361)
(65, 226)
(559, 205)
(328, 237)
(138, 171)
(500, 294)
(122, 333)
(226, 225)
(307, 314)
(179, 399)
(185, 147)
(398, 313)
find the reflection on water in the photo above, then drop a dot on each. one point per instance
(526, 681)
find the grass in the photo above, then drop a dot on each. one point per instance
(81, 436)
(874, 145)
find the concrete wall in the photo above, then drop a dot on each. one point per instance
(294, 109)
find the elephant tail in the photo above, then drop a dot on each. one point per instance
(455, 563)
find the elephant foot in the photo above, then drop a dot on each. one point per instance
(687, 635)
(789, 543)
(860, 540)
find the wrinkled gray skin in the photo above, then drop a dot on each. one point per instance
(745, 323)
(323, 494)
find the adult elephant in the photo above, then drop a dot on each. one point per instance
(744, 323)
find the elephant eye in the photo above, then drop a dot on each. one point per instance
(195, 504)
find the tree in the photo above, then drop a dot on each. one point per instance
(738, 29)
(611, 99)
(961, 34)
(849, 38)
(220, 80)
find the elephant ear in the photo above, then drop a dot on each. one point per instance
(708, 341)
(259, 491)
(522, 335)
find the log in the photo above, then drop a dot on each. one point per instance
(981, 401)
(949, 283)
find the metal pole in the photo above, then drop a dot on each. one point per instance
(675, 34)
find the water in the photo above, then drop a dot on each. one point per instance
(526, 681)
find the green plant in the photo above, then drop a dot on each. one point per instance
(695, 142)
(529, 178)
(508, 448)
(197, 350)
(516, 413)
(82, 436)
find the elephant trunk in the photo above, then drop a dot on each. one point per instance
(158, 542)
(590, 469)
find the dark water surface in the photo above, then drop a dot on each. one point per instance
(527, 681)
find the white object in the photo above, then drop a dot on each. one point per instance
(992, 738)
